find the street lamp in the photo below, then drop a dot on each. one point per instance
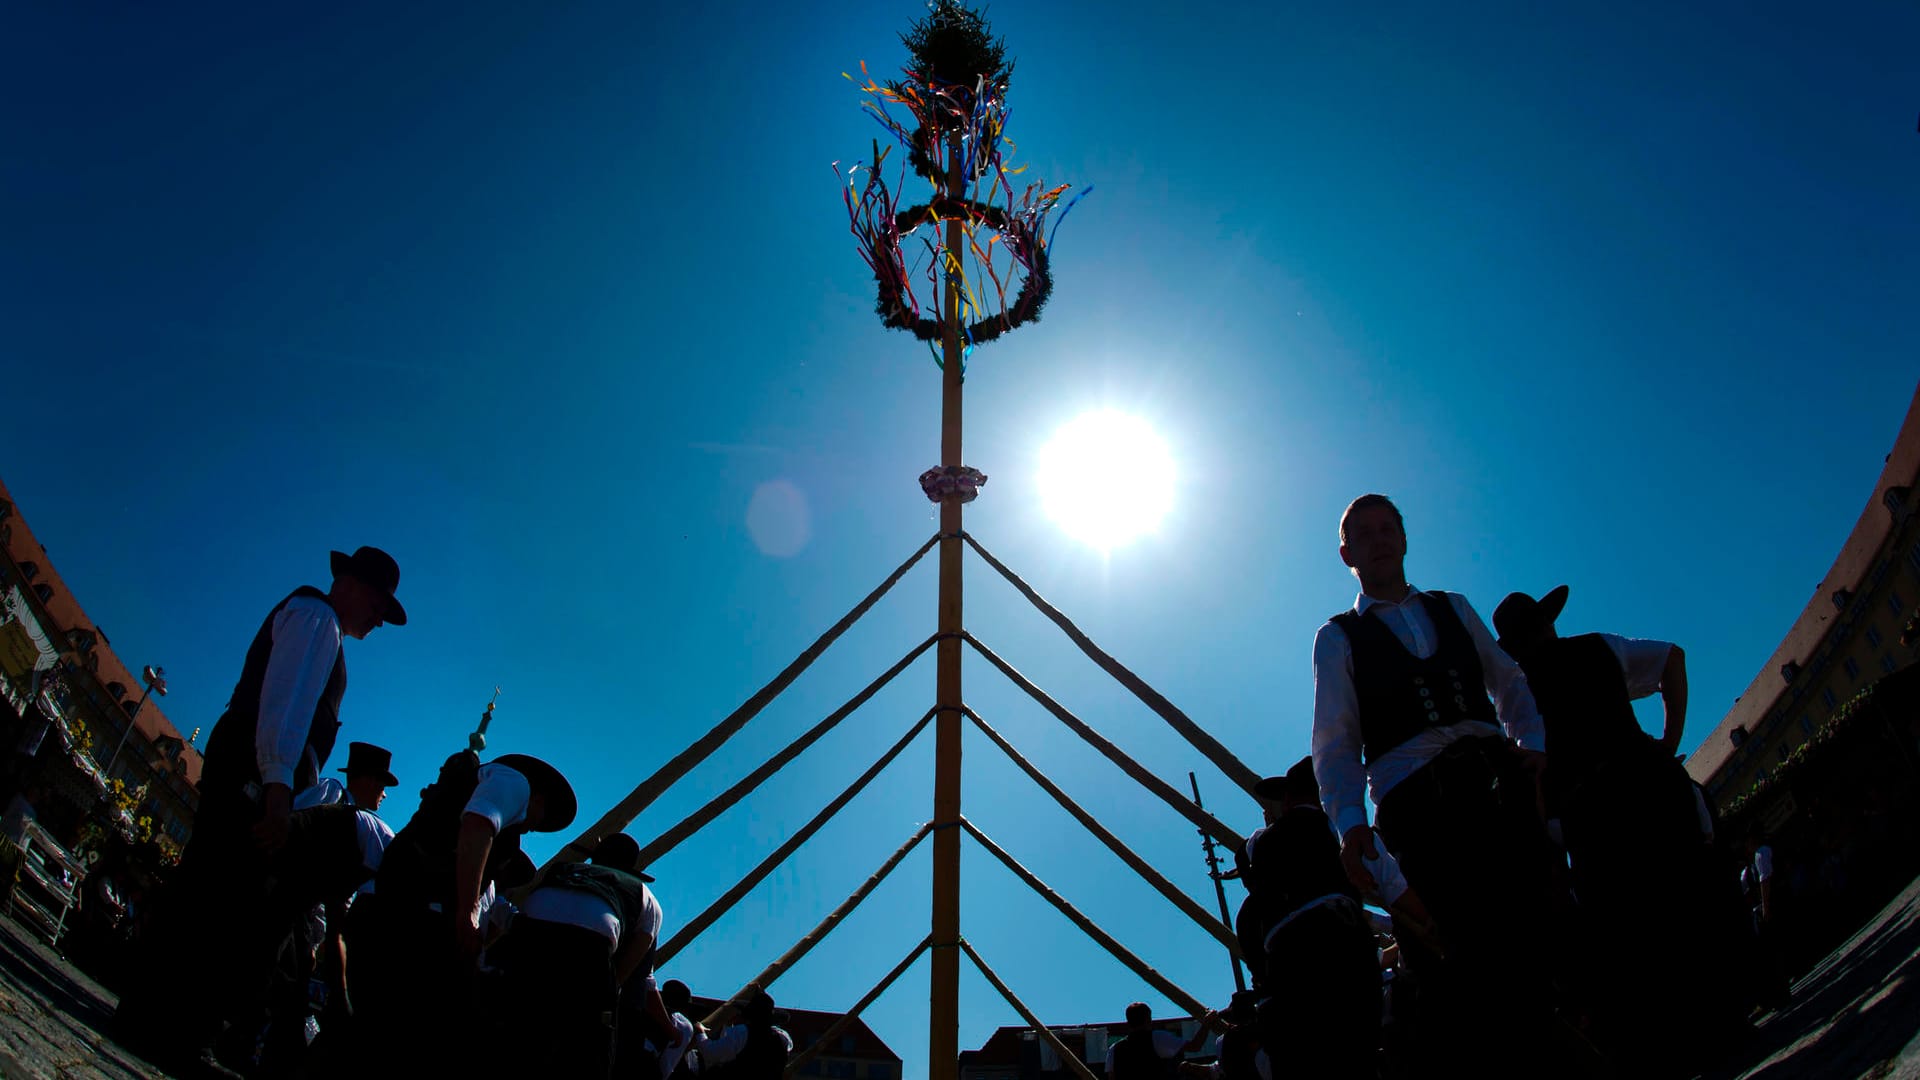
(156, 680)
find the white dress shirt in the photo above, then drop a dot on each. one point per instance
(1165, 1044)
(501, 796)
(724, 1047)
(1642, 660)
(306, 642)
(1338, 761)
(674, 1051)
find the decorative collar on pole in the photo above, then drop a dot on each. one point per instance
(961, 482)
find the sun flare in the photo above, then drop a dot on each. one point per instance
(1106, 478)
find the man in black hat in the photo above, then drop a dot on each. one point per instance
(1643, 866)
(1415, 703)
(274, 738)
(582, 942)
(417, 944)
(369, 771)
(756, 1048)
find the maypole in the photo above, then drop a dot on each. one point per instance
(986, 235)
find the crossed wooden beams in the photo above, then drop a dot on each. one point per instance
(651, 788)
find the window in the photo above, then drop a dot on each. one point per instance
(29, 571)
(1895, 604)
(1806, 724)
(1873, 636)
(132, 707)
(1738, 736)
(117, 689)
(848, 1044)
(1894, 498)
(1886, 663)
(1913, 558)
(880, 1070)
(1827, 697)
(1785, 752)
(1790, 670)
(1842, 597)
(44, 591)
(1852, 667)
(81, 639)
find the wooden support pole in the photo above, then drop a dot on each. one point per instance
(1180, 803)
(1089, 927)
(721, 1016)
(1187, 905)
(700, 818)
(831, 1036)
(666, 775)
(1222, 758)
(943, 998)
(767, 865)
(1066, 1056)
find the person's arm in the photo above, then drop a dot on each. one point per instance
(1109, 1060)
(1337, 761)
(635, 947)
(1506, 683)
(1200, 1034)
(306, 641)
(1673, 698)
(471, 849)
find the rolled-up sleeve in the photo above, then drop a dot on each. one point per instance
(1506, 683)
(1642, 660)
(500, 796)
(306, 642)
(1337, 761)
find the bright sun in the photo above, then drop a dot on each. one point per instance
(1106, 478)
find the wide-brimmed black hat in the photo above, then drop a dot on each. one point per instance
(561, 805)
(759, 1006)
(364, 759)
(622, 852)
(1520, 617)
(1297, 783)
(376, 568)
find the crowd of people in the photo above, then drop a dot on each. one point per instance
(302, 935)
(1545, 867)
(1554, 904)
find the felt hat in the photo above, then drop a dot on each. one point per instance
(1521, 618)
(553, 787)
(622, 852)
(365, 759)
(375, 568)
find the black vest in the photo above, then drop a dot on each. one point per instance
(764, 1058)
(1238, 1046)
(1585, 707)
(1401, 695)
(418, 866)
(231, 758)
(619, 890)
(1134, 1058)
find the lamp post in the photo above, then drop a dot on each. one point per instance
(156, 680)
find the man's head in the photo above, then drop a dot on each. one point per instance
(362, 593)
(369, 774)
(1139, 1016)
(676, 996)
(758, 1009)
(1524, 623)
(1373, 541)
(621, 852)
(550, 800)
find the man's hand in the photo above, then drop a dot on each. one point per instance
(1356, 847)
(467, 939)
(276, 805)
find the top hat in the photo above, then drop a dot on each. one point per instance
(545, 779)
(622, 852)
(366, 758)
(376, 568)
(1520, 617)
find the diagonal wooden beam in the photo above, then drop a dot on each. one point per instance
(1180, 803)
(1187, 905)
(682, 763)
(767, 865)
(829, 1037)
(1067, 1057)
(1222, 758)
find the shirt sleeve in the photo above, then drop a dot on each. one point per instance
(1506, 683)
(325, 793)
(1763, 863)
(1110, 1061)
(306, 641)
(1642, 660)
(1167, 1044)
(1337, 761)
(501, 797)
(1386, 874)
(719, 1050)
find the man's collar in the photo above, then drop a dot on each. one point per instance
(1363, 601)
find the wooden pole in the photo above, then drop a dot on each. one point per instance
(767, 865)
(1222, 758)
(1180, 803)
(830, 1037)
(723, 1015)
(666, 775)
(943, 1021)
(1067, 1057)
(1089, 927)
(1218, 928)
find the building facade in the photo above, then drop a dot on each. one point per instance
(1018, 1053)
(856, 1054)
(108, 752)
(1858, 627)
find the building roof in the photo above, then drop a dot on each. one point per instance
(1003, 1047)
(65, 609)
(1849, 568)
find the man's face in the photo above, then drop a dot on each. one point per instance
(361, 607)
(368, 791)
(1375, 546)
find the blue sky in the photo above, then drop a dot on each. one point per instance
(538, 300)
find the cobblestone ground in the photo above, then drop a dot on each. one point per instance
(1854, 1017)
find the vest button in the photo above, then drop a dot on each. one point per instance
(1419, 681)
(1433, 717)
(1457, 686)
(1424, 691)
